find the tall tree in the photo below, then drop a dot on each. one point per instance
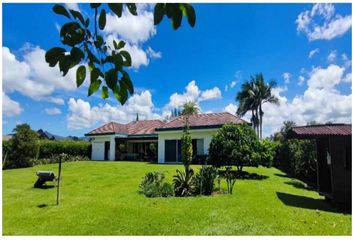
(264, 92)
(189, 108)
(253, 94)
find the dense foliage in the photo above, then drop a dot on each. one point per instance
(64, 158)
(204, 181)
(22, 148)
(74, 148)
(234, 145)
(296, 157)
(267, 151)
(106, 63)
(154, 185)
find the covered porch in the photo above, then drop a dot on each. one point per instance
(136, 149)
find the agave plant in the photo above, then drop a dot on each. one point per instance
(182, 183)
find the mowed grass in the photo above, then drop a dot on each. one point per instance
(102, 198)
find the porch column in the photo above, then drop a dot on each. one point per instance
(112, 148)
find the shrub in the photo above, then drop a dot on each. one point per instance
(234, 145)
(187, 148)
(153, 185)
(183, 184)
(230, 177)
(23, 147)
(204, 180)
(55, 159)
(267, 151)
(73, 148)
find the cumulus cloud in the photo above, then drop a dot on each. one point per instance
(10, 107)
(52, 111)
(286, 77)
(313, 104)
(32, 76)
(301, 80)
(134, 29)
(231, 108)
(192, 94)
(313, 52)
(153, 54)
(321, 22)
(82, 115)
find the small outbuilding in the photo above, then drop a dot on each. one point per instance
(334, 159)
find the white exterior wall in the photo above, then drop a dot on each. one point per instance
(98, 140)
(205, 134)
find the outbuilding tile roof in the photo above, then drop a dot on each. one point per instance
(322, 130)
(200, 120)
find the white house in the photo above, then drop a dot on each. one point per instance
(156, 140)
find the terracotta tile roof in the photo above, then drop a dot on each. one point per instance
(322, 130)
(200, 120)
(132, 128)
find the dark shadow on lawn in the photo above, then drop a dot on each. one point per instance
(300, 185)
(245, 175)
(42, 205)
(45, 187)
(306, 202)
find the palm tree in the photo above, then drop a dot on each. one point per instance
(253, 95)
(189, 108)
(248, 102)
(264, 96)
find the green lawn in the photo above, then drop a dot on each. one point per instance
(102, 198)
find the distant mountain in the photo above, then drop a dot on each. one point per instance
(47, 135)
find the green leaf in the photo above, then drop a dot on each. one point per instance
(80, 75)
(116, 8)
(159, 12)
(104, 92)
(128, 59)
(94, 86)
(176, 18)
(102, 19)
(53, 55)
(126, 81)
(59, 9)
(95, 5)
(87, 22)
(132, 8)
(72, 33)
(65, 63)
(111, 78)
(76, 55)
(77, 15)
(94, 74)
(190, 14)
(99, 41)
(120, 94)
(119, 45)
(92, 57)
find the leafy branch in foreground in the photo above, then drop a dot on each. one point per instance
(90, 53)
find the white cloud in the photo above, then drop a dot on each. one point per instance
(231, 85)
(332, 56)
(192, 93)
(213, 93)
(346, 61)
(320, 102)
(153, 54)
(134, 29)
(331, 25)
(231, 108)
(52, 111)
(348, 78)
(313, 52)
(33, 77)
(83, 115)
(301, 80)
(286, 77)
(10, 107)
(56, 100)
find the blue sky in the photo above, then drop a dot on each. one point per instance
(306, 48)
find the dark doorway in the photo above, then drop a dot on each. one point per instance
(324, 167)
(106, 150)
(170, 150)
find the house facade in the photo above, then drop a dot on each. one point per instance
(155, 140)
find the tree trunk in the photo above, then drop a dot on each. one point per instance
(260, 121)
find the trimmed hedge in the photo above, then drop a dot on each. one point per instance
(47, 148)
